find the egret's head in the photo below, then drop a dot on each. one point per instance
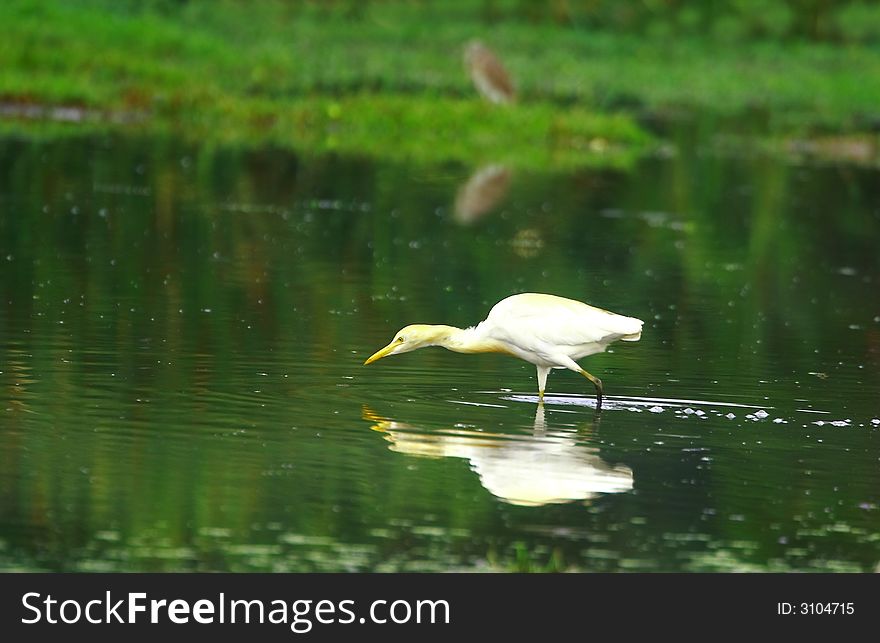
(409, 339)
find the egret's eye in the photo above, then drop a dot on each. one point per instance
(400, 339)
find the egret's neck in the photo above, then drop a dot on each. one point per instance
(467, 340)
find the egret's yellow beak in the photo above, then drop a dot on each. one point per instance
(383, 352)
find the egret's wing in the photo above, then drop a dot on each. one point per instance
(533, 320)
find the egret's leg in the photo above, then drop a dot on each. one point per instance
(597, 383)
(570, 364)
(542, 381)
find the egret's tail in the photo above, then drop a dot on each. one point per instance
(634, 332)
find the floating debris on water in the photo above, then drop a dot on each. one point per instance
(677, 406)
(121, 188)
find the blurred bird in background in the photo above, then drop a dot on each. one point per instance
(489, 75)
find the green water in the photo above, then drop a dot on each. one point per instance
(182, 332)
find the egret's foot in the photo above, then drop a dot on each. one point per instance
(598, 384)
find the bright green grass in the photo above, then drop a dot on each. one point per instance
(401, 128)
(441, 129)
(391, 84)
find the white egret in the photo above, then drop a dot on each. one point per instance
(545, 330)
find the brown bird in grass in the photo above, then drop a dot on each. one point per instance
(489, 75)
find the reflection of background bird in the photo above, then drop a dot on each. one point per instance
(546, 467)
(545, 330)
(489, 75)
(484, 190)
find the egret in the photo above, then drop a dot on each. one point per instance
(545, 330)
(488, 74)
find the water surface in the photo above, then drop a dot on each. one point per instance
(182, 332)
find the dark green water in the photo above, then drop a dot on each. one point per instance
(182, 332)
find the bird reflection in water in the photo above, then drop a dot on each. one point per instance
(549, 466)
(484, 190)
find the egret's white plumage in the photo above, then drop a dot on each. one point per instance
(545, 330)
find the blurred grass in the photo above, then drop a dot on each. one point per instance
(385, 78)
